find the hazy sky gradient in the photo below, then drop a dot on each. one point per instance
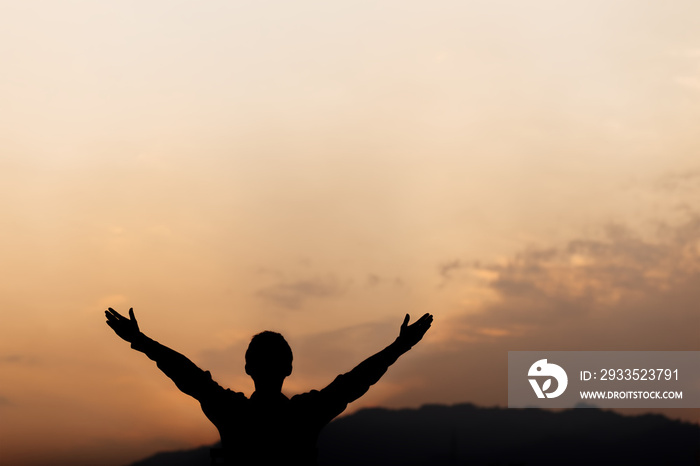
(527, 171)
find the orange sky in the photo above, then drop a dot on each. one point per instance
(528, 172)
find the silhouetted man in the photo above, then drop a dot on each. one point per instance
(268, 428)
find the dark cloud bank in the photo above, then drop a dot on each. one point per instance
(616, 292)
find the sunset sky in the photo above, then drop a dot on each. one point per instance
(526, 171)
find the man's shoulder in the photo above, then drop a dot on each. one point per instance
(318, 404)
(310, 395)
(225, 395)
(308, 398)
(235, 394)
(331, 390)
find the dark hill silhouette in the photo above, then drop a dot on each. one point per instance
(464, 434)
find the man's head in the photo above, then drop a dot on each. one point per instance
(268, 358)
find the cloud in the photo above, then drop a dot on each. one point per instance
(619, 291)
(294, 294)
(446, 269)
(679, 181)
(373, 281)
(17, 359)
(588, 274)
(11, 358)
(4, 401)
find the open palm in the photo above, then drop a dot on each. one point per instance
(412, 334)
(126, 328)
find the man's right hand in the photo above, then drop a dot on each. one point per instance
(127, 329)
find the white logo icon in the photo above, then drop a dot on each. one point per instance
(540, 369)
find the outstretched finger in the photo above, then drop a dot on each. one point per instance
(115, 314)
(425, 319)
(131, 314)
(425, 323)
(405, 320)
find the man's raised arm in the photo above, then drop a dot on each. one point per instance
(189, 378)
(352, 385)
